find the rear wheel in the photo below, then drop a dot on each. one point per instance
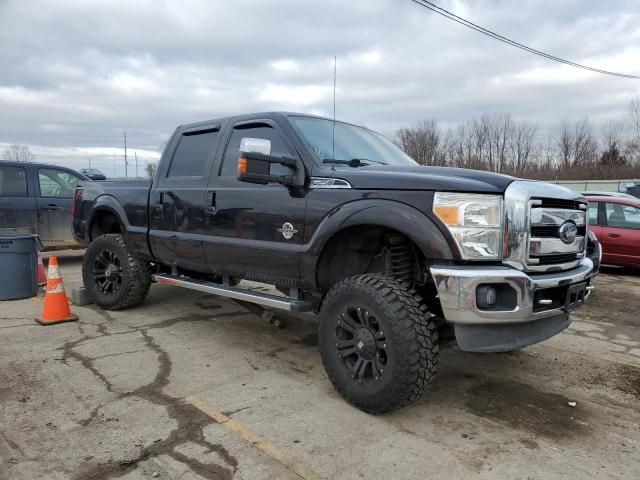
(379, 345)
(114, 278)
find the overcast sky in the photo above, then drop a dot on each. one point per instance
(75, 74)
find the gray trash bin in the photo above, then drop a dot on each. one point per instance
(18, 266)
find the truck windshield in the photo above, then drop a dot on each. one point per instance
(354, 146)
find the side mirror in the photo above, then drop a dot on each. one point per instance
(254, 164)
(254, 167)
(259, 145)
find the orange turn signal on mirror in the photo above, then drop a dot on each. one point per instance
(448, 215)
(242, 165)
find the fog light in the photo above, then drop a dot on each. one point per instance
(486, 297)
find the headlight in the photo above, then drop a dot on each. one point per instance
(474, 220)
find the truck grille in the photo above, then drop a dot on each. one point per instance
(553, 231)
(559, 203)
(546, 243)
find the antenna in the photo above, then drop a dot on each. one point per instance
(126, 175)
(333, 133)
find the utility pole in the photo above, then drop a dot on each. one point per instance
(89, 162)
(125, 155)
(136, 155)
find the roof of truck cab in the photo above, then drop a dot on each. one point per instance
(249, 116)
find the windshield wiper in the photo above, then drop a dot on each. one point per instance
(354, 162)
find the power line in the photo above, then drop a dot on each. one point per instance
(451, 16)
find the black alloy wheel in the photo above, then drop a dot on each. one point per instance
(107, 272)
(361, 344)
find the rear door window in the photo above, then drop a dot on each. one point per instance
(13, 182)
(622, 216)
(193, 153)
(56, 183)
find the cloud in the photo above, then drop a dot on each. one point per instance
(75, 75)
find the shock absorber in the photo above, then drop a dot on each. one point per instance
(398, 261)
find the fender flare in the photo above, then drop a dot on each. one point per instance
(421, 229)
(108, 203)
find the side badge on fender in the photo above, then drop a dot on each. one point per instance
(287, 231)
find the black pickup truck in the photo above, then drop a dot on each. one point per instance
(343, 223)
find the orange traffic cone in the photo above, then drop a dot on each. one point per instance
(42, 274)
(55, 308)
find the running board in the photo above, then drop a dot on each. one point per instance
(265, 299)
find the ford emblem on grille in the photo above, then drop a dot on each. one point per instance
(568, 232)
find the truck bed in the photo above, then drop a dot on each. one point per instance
(127, 199)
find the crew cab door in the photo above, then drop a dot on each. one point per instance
(176, 216)
(55, 188)
(621, 234)
(17, 202)
(253, 231)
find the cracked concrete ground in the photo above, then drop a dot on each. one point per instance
(103, 398)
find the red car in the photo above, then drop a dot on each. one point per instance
(616, 223)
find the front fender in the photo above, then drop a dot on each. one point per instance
(413, 223)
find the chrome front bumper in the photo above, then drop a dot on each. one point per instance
(457, 292)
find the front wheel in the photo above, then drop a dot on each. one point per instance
(379, 345)
(114, 278)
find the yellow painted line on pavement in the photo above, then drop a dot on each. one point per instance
(36, 299)
(252, 438)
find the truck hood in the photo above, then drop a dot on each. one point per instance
(389, 177)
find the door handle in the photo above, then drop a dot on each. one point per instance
(159, 207)
(210, 208)
(52, 206)
(614, 235)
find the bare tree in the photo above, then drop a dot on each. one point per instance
(500, 129)
(422, 142)
(577, 145)
(522, 146)
(585, 147)
(18, 153)
(497, 143)
(564, 144)
(632, 146)
(151, 169)
(612, 143)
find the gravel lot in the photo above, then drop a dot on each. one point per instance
(195, 386)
